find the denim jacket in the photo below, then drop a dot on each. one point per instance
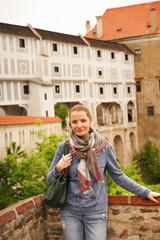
(95, 201)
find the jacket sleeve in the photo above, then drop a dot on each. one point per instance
(120, 178)
(52, 174)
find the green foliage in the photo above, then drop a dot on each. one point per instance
(62, 112)
(23, 176)
(149, 163)
(131, 172)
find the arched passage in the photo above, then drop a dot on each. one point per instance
(118, 148)
(133, 143)
(131, 112)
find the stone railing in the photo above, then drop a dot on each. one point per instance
(129, 217)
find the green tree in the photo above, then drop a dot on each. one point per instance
(149, 163)
(62, 112)
(23, 176)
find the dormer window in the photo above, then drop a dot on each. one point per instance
(21, 43)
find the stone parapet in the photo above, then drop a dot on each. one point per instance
(129, 217)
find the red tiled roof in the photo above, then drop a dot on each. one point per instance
(13, 120)
(128, 21)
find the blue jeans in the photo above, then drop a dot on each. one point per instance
(76, 226)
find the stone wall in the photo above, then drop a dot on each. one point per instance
(129, 217)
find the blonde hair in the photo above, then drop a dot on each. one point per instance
(80, 107)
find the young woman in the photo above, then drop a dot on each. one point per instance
(91, 155)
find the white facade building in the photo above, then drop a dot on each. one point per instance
(20, 129)
(39, 68)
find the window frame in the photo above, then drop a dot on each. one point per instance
(112, 55)
(45, 96)
(138, 54)
(126, 57)
(26, 91)
(99, 54)
(101, 90)
(56, 69)
(57, 89)
(128, 89)
(140, 86)
(0, 90)
(100, 73)
(115, 90)
(150, 111)
(75, 50)
(77, 88)
(22, 43)
(54, 47)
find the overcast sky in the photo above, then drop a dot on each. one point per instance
(64, 16)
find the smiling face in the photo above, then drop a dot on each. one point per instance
(80, 123)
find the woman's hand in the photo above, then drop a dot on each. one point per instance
(64, 162)
(152, 196)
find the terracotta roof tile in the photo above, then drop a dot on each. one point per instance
(13, 120)
(128, 21)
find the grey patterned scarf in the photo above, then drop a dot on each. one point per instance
(86, 149)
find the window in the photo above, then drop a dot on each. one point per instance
(57, 89)
(0, 92)
(21, 43)
(99, 73)
(128, 89)
(75, 50)
(150, 111)
(138, 86)
(114, 90)
(112, 55)
(137, 54)
(56, 69)
(98, 53)
(55, 49)
(101, 90)
(158, 84)
(46, 113)
(45, 96)
(126, 57)
(26, 89)
(77, 88)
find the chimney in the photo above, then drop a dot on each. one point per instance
(153, 20)
(99, 27)
(88, 26)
